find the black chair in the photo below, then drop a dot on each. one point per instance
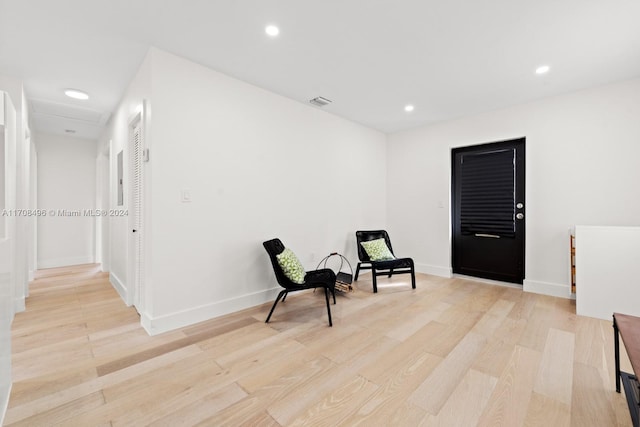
(382, 268)
(324, 278)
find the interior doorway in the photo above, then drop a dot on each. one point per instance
(136, 211)
(103, 205)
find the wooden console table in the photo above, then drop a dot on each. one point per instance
(628, 327)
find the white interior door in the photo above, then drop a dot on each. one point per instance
(136, 213)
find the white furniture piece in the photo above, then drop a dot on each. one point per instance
(607, 271)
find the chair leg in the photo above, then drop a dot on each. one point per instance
(326, 297)
(274, 305)
(357, 272)
(333, 291)
(375, 282)
(390, 273)
(285, 295)
(413, 278)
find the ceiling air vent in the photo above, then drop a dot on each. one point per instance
(320, 101)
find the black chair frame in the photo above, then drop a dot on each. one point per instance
(381, 268)
(323, 278)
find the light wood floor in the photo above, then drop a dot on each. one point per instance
(450, 353)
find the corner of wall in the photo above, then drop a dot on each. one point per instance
(146, 322)
(545, 288)
(434, 270)
(4, 402)
(19, 304)
(119, 287)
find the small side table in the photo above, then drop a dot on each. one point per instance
(628, 327)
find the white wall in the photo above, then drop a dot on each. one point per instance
(258, 166)
(2, 172)
(32, 262)
(24, 224)
(8, 125)
(581, 153)
(14, 243)
(19, 191)
(66, 181)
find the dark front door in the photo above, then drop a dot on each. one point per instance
(489, 210)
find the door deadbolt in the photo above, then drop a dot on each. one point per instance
(519, 216)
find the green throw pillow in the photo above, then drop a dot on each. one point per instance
(291, 267)
(377, 250)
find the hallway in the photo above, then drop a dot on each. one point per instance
(77, 347)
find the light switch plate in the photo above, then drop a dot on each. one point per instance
(185, 196)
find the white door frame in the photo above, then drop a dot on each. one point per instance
(135, 263)
(103, 240)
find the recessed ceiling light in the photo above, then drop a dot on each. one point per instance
(76, 94)
(409, 108)
(272, 30)
(542, 69)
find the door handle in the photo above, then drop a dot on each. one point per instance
(493, 236)
(519, 215)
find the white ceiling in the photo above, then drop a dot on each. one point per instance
(449, 58)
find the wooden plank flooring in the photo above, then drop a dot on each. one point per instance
(452, 352)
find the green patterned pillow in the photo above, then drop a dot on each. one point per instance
(377, 250)
(291, 267)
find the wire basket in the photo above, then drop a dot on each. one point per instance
(343, 278)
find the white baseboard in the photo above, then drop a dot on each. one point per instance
(168, 322)
(488, 281)
(32, 275)
(19, 305)
(4, 402)
(145, 322)
(64, 262)
(545, 288)
(119, 287)
(434, 270)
